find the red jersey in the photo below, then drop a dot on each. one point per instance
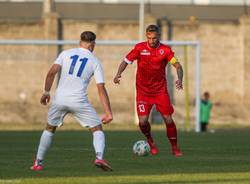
(151, 64)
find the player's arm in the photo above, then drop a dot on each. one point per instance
(179, 72)
(173, 61)
(104, 98)
(118, 75)
(131, 56)
(55, 68)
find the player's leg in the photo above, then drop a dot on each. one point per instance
(205, 127)
(44, 145)
(202, 127)
(87, 117)
(55, 118)
(146, 130)
(98, 141)
(145, 127)
(99, 146)
(143, 107)
(164, 106)
(172, 134)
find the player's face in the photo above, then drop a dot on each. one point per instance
(153, 39)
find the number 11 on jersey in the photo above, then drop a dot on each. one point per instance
(73, 64)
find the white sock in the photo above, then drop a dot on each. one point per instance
(99, 143)
(45, 142)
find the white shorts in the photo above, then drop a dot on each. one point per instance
(85, 114)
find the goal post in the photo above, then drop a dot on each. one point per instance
(197, 46)
(184, 45)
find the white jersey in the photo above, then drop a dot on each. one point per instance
(78, 65)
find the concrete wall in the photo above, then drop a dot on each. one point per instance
(222, 58)
(225, 59)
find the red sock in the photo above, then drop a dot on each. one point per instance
(172, 134)
(146, 130)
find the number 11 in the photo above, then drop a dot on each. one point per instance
(73, 64)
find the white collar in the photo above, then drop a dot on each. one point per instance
(87, 50)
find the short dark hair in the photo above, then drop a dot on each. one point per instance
(88, 36)
(206, 94)
(153, 28)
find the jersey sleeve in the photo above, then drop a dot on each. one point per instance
(98, 73)
(59, 59)
(170, 56)
(132, 55)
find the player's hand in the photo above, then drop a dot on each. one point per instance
(117, 79)
(45, 99)
(178, 85)
(107, 118)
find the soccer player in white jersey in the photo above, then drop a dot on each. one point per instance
(76, 67)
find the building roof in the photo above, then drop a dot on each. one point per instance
(121, 11)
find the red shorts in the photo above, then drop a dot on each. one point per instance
(162, 102)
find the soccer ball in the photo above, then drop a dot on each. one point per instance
(141, 148)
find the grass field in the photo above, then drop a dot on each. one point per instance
(210, 158)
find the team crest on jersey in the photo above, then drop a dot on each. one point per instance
(145, 52)
(161, 51)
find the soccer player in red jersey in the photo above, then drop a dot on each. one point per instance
(151, 84)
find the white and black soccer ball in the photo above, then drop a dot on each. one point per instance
(141, 148)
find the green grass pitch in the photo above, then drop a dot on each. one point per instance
(222, 157)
